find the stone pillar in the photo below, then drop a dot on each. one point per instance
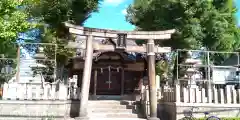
(157, 82)
(158, 87)
(152, 80)
(86, 80)
(228, 93)
(62, 91)
(178, 93)
(5, 91)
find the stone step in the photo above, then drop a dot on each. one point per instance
(104, 102)
(112, 97)
(108, 97)
(113, 110)
(113, 115)
(111, 106)
(93, 118)
(111, 102)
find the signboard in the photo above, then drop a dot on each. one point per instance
(224, 75)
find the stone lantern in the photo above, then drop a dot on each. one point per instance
(40, 54)
(192, 72)
(39, 67)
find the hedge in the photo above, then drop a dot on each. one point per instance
(235, 118)
(222, 118)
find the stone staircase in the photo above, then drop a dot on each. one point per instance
(113, 110)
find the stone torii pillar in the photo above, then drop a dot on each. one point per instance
(151, 49)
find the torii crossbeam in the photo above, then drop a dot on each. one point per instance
(121, 36)
(140, 49)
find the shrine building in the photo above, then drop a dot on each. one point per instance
(113, 72)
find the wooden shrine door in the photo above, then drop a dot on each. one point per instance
(109, 81)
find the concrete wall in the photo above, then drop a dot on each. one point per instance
(26, 110)
(175, 111)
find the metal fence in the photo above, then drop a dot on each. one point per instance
(203, 65)
(204, 77)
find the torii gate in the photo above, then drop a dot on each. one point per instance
(121, 36)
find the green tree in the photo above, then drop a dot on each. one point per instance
(199, 23)
(52, 14)
(13, 20)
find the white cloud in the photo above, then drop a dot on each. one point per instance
(113, 2)
(124, 11)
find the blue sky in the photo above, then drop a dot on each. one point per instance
(111, 15)
(238, 13)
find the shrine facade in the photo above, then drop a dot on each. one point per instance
(113, 55)
(113, 72)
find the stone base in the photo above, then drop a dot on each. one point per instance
(81, 118)
(153, 118)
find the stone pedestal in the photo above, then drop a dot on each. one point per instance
(153, 118)
(82, 118)
(62, 92)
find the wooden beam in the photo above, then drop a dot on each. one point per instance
(105, 33)
(99, 47)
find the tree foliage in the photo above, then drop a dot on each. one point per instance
(208, 24)
(52, 14)
(18, 16)
(199, 23)
(13, 20)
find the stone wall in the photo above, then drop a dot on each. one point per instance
(26, 110)
(175, 111)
